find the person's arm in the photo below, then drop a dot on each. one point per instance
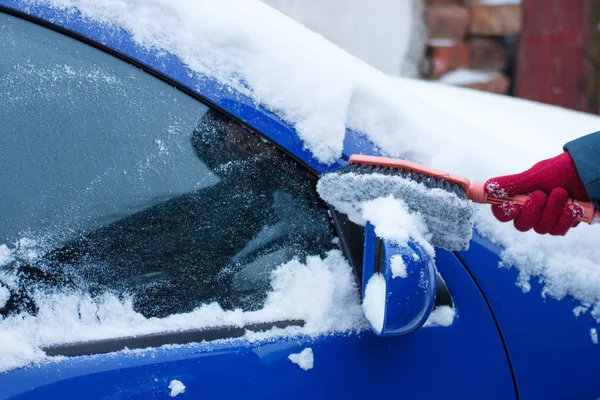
(585, 153)
(550, 183)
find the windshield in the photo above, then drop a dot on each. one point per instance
(114, 181)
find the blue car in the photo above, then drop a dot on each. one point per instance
(129, 183)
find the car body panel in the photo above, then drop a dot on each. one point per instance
(551, 351)
(465, 360)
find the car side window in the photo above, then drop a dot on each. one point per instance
(113, 180)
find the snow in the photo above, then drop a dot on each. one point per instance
(305, 359)
(464, 77)
(594, 335)
(4, 296)
(441, 316)
(398, 267)
(442, 42)
(5, 255)
(322, 292)
(427, 215)
(374, 301)
(177, 388)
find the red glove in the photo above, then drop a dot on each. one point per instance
(551, 182)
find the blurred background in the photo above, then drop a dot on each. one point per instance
(542, 50)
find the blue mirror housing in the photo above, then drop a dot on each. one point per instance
(407, 275)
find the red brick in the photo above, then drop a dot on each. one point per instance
(495, 20)
(448, 58)
(487, 53)
(447, 21)
(498, 84)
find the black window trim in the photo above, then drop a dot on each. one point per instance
(154, 340)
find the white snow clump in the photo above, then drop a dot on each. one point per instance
(177, 388)
(398, 267)
(441, 316)
(374, 301)
(305, 359)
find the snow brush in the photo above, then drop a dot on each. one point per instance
(444, 200)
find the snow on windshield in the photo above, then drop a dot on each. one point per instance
(321, 90)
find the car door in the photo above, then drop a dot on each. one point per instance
(154, 246)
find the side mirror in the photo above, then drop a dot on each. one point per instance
(398, 285)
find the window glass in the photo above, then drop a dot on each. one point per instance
(112, 180)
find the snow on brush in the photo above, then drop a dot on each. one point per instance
(305, 359)
(594, 335)
(400, 208)
(322, 292)
(177, 387)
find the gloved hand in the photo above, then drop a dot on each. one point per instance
(551, 182)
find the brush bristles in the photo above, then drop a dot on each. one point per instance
(419, 177)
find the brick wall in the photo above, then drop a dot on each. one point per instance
(467, 45)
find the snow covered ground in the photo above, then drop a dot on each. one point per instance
(322, 90)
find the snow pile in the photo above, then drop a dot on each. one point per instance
(441, 316)
(322, 292)
(436, 216)
(567, 265)
(177, 388)
(374, 301)
(398, 267)
(464, 77)
(305, 359)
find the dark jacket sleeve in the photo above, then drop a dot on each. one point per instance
(585, 153)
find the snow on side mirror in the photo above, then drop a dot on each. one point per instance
(398, 285)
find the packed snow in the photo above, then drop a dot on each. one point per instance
(322, 292)
(441, 316)
(398, 267)
(177, 388)
(464, 77)
(305, 359)
(374, 301)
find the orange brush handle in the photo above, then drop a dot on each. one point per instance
(475, 190)
(477, 194)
